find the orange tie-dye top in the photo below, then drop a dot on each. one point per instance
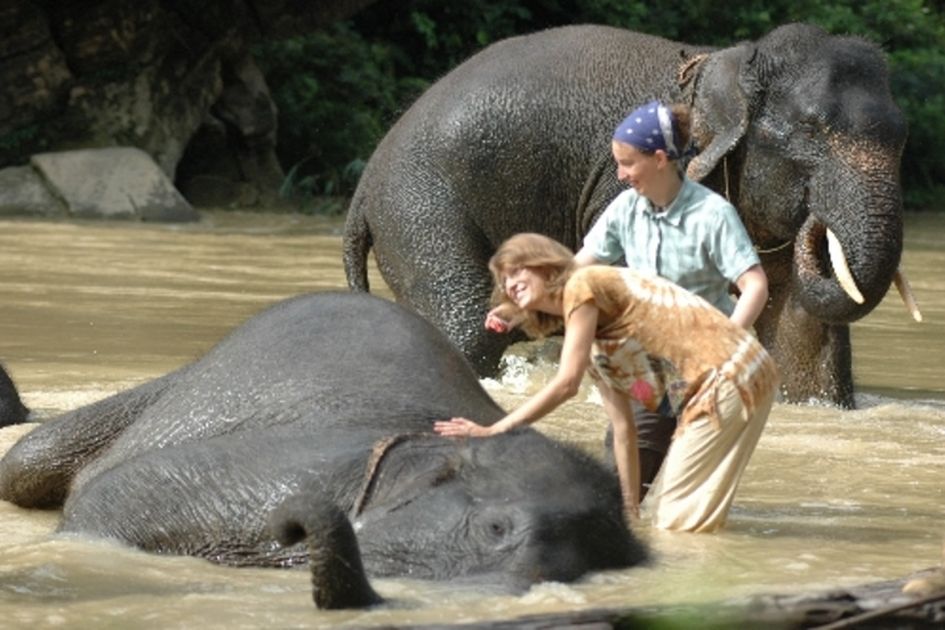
(644, 315)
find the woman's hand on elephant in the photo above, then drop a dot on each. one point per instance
(460, 427)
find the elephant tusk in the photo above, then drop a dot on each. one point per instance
(840, 269)
(905, 292)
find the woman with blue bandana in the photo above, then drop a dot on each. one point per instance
(670, 226)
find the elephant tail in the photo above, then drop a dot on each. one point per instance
(338, 577)
(357, 242)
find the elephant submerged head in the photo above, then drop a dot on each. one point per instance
(800, 130)
(513, 510)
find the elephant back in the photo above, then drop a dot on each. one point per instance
(318, 362)
(531, 115)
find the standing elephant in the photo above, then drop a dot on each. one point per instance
(797, 129)
(318, 410)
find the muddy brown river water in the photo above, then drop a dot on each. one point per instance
(831, 497)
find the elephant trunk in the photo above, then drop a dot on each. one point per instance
(338, 577)
(848, 250)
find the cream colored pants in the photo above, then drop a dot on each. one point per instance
(695, 487)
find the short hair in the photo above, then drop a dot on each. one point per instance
(545, 256)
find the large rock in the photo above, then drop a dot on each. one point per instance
(234, 147)
(33, 70)
(23, 192)
(148, 74)
(114, 183)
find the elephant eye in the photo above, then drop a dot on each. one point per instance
(494, 526)
(499, 528)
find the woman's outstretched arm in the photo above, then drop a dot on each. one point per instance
(575, 354)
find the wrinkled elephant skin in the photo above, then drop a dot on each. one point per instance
(798, 129)
(314, 412)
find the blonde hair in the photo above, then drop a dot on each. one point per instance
(545, 256)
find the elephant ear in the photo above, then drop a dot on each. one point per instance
(724, 96)
(404, 466)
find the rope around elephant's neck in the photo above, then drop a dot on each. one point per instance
(688, 70)
(776, 248)
(380, 449)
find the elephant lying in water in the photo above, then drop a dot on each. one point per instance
(318, 408)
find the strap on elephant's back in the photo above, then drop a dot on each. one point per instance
(689, 70)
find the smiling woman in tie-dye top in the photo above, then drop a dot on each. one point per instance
(617, 322)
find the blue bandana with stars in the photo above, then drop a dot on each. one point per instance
(649, 128)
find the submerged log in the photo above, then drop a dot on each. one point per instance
(874, 605)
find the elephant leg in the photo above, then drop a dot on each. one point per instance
(451, 287)
(815, 358)
(38, 471)
(464, 325)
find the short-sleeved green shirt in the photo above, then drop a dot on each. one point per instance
(698, 242)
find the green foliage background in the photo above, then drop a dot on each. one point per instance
(338, 90)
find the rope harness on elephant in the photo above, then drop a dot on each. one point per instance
(688, 71)
(378, 453)
(775, 249)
